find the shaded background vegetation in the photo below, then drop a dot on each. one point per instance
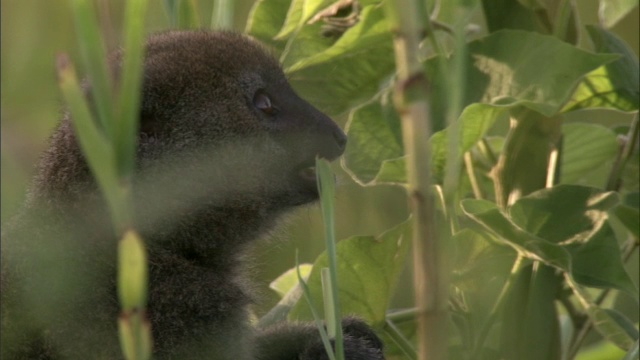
(33, 31)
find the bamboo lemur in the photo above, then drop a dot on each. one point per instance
(225, 148)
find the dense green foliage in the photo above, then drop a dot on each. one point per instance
(536, 251)
(565, 234)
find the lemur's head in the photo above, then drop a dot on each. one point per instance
(218, 109)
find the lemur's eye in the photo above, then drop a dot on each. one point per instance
(262, 101)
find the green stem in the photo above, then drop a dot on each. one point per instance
(471, 172)
(403, 315)
(412, 103)
(485, 149)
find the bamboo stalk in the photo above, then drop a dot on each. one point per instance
(411, 101)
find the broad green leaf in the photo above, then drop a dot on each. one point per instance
(584, 148)
(352, 70)
(374, 152)
(474, 122)
(266, 19)
(614, 85)
(303, 44)
(530, 327)
(289, 279)
(597, 262)
(487, 214)
(293, 20)
(628, 213)
(575, 217)
(503, 71)
(374, 136)
(563, 213)
(609, 327)
(624, 323)
(368, 268)
(478, 262)
(611, 11)
(392, 171)
(513, 67)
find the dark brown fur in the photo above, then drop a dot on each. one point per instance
(214, 173)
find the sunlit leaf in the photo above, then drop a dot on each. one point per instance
(289, 279)
(368, 268)
(614, 85)
(352, 70)
(510, 63)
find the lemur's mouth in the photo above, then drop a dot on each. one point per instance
(308, 173)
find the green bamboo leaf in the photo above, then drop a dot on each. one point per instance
(368, 269)
(614, 85)
(94, 57)
(585, 147)
(171, 8)
(129, 96)
(329, 276)
(333, 80)
(611, 11)
(188, 15)
(94, 144)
